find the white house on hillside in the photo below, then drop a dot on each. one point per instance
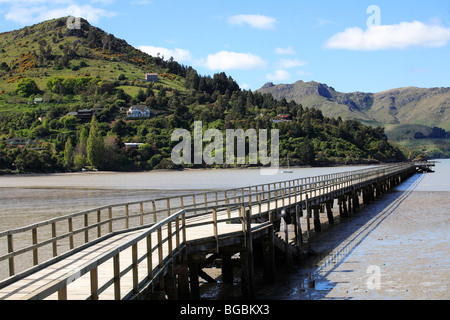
(138, 111)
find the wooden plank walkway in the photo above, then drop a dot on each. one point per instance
(121, 264)
(81, 289)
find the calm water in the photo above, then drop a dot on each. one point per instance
(27, 199)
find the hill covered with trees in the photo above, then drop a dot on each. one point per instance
(65, 93)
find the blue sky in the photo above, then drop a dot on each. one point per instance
(340, 43)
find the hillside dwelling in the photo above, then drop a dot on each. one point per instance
(19, 141)
(283, 118)
(38, 100)
(138, 111)
(85, 114)
(133, 144)
(152, 77)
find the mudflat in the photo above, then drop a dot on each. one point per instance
(396, 248)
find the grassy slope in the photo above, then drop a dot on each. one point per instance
(16, 49)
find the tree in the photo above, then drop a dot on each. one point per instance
(84, 134)
(68, 154)
(4, 67)
(26, 87)
(141, 95)
(305, 153)
(79, 161)
(95, 145)
(192, 79)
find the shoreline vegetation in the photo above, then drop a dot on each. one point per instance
(66, 97)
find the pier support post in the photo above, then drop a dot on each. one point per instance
(194, 271)
(317, 225)
(247, 272)
(298, 227)
(227, 268)
(269, 271)
(350, 207)
(182, 273)
(193, 279)
(247, 276)
(344, 207)
(329, 212)
(355, 200)
(308, 216)
(171, 288)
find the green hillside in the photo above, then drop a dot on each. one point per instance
(403, 112)
(51, 49)
(65, 93)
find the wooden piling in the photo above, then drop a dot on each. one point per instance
(317, 225)
(350, 207)
(227, 268)
(329, 212)
(269, 272)
(298, 227)
(308, 216)
(194, 282)
(194, 261)
(344, 207)
(247, 268)
(182, 274)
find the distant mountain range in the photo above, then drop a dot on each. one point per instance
(403, 106)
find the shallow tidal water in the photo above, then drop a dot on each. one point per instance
(396, 248)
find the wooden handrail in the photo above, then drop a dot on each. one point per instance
(309, 185)
(179, 218)
(60, 284)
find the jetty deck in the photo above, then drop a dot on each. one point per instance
(156, 248)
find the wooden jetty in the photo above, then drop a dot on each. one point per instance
(156, 249)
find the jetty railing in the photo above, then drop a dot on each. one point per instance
(58, 237)
(60, 285)
(164, 244)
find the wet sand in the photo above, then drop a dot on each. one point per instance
(396, 248)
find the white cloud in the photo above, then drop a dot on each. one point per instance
(397, 36)
(290, 63)
(226, 60)
(254, 20)
(26, 11)
(285, 51)
(179, 55)
(278, 75)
